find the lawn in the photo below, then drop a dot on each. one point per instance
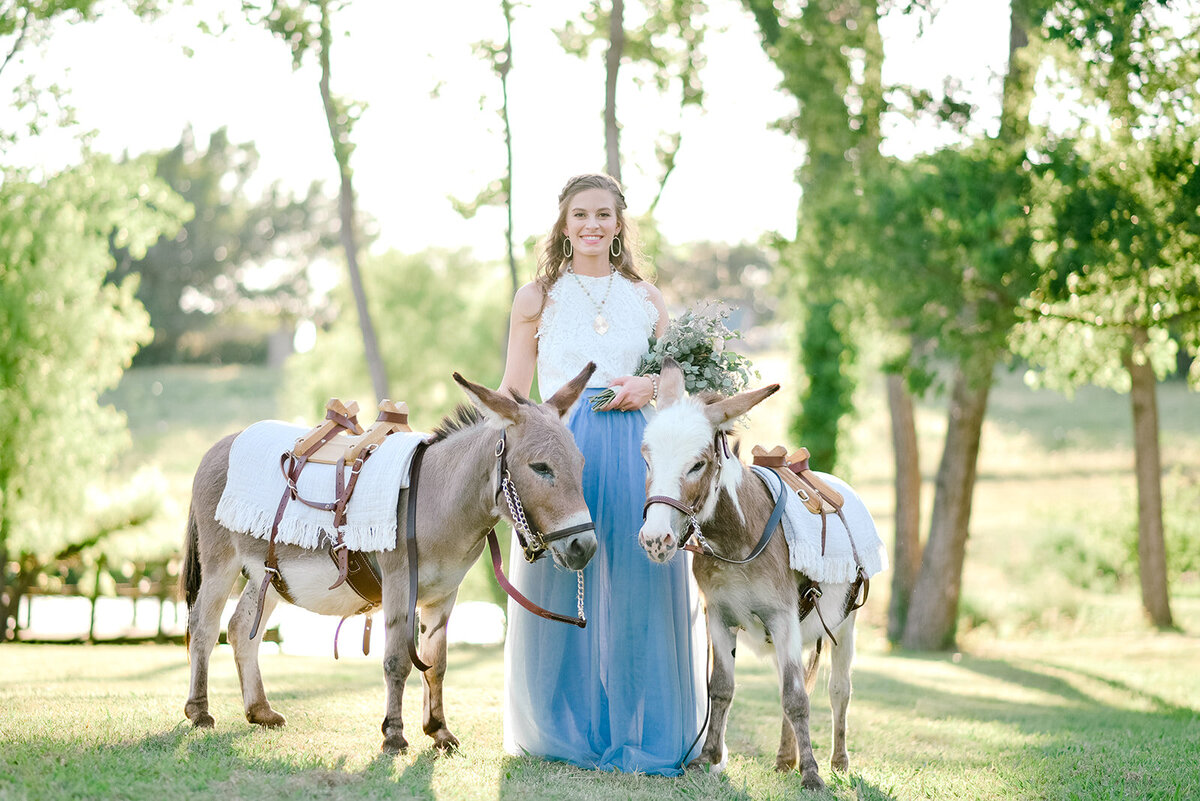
(1059, 690)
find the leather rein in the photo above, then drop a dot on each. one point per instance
(533, 543)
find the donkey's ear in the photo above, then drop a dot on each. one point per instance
(723, 411)
(670, 383)
(496, 408)
(565, 398)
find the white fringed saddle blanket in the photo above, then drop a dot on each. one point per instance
(802, 530)
(255, 485)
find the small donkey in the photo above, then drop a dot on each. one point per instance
(451, 521)
(691, 479)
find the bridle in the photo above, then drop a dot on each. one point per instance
(691, 529)
(533, 543)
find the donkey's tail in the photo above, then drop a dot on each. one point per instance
(189, 576)
(810, 670)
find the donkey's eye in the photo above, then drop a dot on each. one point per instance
(696, 468)
(543, 470)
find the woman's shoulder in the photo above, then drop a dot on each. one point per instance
(650, 290)
(528, 301)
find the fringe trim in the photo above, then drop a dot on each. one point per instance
(247, 518)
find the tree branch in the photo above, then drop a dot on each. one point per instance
(20, 40)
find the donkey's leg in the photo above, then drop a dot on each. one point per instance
(219, 569)
(839, 692)
(245, 652)
(785, 631)
(720, 693)
(788, 754)
(396, 662)
(433, 633)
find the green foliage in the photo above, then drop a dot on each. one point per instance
(437, 312)
(66, 336)
(233, 252)
(1119, 236)
(827, 398)
(952, 252)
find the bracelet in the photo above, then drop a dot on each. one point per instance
(653, 383)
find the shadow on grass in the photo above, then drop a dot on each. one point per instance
(1072, 745)
(188, 763)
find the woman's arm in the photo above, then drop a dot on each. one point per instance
(521, 360)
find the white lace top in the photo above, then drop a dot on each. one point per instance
(567, 339)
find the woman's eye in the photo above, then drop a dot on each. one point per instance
(696, 468)
(542, 469)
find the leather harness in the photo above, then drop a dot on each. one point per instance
(825, 499)
(359, 570)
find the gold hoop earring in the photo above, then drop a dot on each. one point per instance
(568, 250)
(615, 248)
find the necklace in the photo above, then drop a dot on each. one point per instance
(599, 323)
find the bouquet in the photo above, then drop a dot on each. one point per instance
(696, 339)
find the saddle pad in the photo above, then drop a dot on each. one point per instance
(802, 531)
(255, 485)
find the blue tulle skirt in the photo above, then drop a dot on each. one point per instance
(627, 692)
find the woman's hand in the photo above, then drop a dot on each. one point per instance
(633, 392)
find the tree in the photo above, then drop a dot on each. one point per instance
(1120, 240)
(499, 56)
(65, 336)
(307, 28)
(668, 40)
(208, 267)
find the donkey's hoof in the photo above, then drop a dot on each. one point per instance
(268, 717)
(445, 742)
(203, 720)
(785, 765)
(394, 744)
(812, 781)
(840, 762)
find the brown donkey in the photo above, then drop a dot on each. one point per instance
(458, 505)
(692, 480)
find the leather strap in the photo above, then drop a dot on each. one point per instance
(392, 417)
(772, 524)
(506, 585)
(410, 534)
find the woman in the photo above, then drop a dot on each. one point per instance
(627, 692)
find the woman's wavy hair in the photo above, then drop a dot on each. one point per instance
(552, 262)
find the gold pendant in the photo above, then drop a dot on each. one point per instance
(600, 324)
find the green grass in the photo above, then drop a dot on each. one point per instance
(1097, 718)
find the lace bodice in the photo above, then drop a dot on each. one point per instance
(567, 340)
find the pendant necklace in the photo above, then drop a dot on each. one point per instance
(599, 323)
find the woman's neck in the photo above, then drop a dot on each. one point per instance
(591, 266)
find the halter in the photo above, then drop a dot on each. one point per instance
(692, 529)
(533, 542)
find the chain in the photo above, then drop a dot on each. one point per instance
(599, 306)
(517, 512)
(579, 594)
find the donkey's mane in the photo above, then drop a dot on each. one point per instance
(464, 416)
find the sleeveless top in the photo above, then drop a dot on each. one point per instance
(567, 340)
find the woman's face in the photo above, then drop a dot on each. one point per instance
(592, 222)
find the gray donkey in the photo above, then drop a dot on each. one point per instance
(459, 504)
(692, 481)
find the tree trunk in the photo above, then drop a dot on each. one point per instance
(1152, 552)
(8, 607)
(933, 610)
(616, 46)
(906, 558)
(508, 149)
(341, 151)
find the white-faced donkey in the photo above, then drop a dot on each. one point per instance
(500, 455)
(764, 563)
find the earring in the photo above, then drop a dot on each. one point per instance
(615, 248)
(567, 248)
